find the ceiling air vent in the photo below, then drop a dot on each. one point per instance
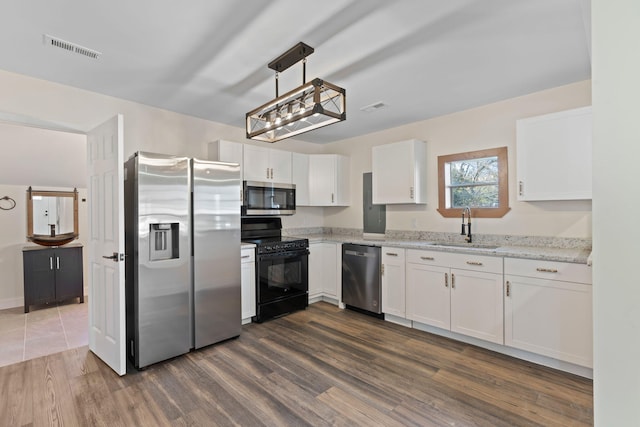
(71, 47)
(373, 107)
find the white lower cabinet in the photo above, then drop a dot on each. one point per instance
(476, 304)
(457, 292)
(428, 295)
(393, 281)
(324, 268)
(548, 309)
(248, 283)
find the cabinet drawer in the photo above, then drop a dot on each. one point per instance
(565, 271)
(416, 256)
(489, 264)
(247, 255)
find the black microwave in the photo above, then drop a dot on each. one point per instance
(268, 198)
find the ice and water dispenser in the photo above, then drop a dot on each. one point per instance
(163, 241)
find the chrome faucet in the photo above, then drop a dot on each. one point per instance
(466, 211)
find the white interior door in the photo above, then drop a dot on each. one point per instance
(106, 243)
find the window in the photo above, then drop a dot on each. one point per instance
(478, 179)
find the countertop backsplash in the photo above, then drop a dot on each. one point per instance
(435, 236)
(575, 250)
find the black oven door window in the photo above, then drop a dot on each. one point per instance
(282, 275)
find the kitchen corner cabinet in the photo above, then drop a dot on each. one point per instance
(458, 292)
(266, 164)
(548, 309)
(399, 173)
(52, 275)
(554, 156)
(248, 283)
(300, 177)
(324, 268)
(226, 151)
(393, 281)
(329, 183)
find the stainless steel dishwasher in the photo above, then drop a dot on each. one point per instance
(361, 281)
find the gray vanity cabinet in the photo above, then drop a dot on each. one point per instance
(52, 275)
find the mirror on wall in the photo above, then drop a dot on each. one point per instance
(52, 217)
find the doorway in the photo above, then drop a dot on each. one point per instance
(44, 159)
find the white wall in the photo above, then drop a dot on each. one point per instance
(145, 128)
(488, 126)
(35, 156)
(616, 209)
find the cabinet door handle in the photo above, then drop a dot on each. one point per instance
(57, 263)
(50, 263)
(411, 192)
(267, 173)
(391, 254)
(474, 263)
(271, 173)
(427, 258)
(520, 188)
(547, 270)
(508, 288)
(245, 256)
(446, 280)
(332, 197)
(453, 281)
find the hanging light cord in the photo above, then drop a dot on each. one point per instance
(10, 200)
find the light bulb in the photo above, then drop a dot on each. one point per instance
(278, 120)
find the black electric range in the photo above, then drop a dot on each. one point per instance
(282, 274)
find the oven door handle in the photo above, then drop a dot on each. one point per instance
(288, 254)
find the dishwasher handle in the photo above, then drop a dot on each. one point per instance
(360, 254)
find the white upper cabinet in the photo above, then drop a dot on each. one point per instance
(554, 156)
(399, 172)
(300, 177)
(266, 164)
(226, 151)
(329, 180)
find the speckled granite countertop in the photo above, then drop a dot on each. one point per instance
(576, 255)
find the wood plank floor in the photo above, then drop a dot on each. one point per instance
(322, 366)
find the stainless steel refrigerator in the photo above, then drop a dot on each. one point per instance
(182, 269)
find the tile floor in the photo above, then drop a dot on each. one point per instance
(44, 330)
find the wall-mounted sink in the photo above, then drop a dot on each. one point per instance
(465, 245)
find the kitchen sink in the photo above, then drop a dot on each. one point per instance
(465, 245)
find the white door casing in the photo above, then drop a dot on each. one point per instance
(106, 241)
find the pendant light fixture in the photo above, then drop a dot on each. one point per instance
(313, 105)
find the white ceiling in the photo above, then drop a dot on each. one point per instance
(422, 58)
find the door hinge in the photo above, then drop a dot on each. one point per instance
(382, 269)
(508, 288)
